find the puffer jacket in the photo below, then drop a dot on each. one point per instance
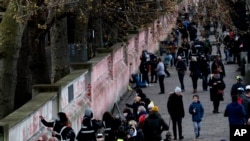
(197, 111)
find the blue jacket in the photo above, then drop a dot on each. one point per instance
(235, 113)
(197, 111)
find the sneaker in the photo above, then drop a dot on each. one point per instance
(181, 138)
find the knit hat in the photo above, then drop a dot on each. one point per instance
(177, 90)
(155, 109)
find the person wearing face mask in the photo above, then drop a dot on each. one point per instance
(61, 127)
(89, 127)
(217, 87)
(132, 131)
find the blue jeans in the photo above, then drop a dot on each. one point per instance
(197, 128)
(227, 57)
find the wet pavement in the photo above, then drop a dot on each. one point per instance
(215, 126)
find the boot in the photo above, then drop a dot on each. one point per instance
(195, 90)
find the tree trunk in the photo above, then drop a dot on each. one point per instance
(97, 22)
(24, 80)
(59, 50)
(10, 34)
(38, 62)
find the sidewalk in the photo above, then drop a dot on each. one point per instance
(215, 126)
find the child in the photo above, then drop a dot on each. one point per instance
(197, 112)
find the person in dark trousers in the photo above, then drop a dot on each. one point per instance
(153, 126)
(161, 74)
(144, 70)
(61, 128)
(217, 87)
(195, 72)
(181, 68)
(237, 85)
(186, 47)
(153, 74)
(197, 111)
(205, 71)
(176, 111)
(89, 127)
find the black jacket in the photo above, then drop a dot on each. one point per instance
(175, 106)
(153, 127)
(61, 134)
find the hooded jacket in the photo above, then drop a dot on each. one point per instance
(153, 127)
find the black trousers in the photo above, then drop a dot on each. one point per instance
(204, 82)
(181, 79)
(178, 122)
(153, 76)
(194, 81)
(161, 83)
(216, 105)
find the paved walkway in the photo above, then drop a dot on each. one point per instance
(215, 126)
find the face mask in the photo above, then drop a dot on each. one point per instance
(125, 114)
(131, 132)
(57, 119)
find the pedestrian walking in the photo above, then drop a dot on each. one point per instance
(161, 75)
(181, 68)
(237, 85)
(205, 71)
(167, 62)
(217, 65)
(195, 72)
(197, 111)
(235, 112)
(176, 111)
(217, 87)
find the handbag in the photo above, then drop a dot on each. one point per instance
(220, 91)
